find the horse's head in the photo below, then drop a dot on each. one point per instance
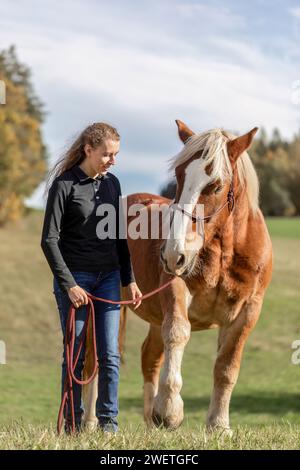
(205, 173)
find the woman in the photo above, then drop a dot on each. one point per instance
(81, 261)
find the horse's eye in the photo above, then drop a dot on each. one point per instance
(218, 189)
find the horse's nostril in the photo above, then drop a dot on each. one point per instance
(180, 260)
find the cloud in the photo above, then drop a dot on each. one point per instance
(217, 15)
(141, 66)
(295, 12)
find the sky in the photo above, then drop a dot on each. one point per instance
(139, 65)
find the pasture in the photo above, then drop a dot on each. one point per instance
(265, 408)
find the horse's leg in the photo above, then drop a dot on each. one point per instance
(152, 359)
(231, 342)
(90, 394)
(176, 329)
(89, 391)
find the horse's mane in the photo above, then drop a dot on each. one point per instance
(213, 145)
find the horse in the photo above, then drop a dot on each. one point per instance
(220, 275)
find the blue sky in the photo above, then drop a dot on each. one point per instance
(142, 64)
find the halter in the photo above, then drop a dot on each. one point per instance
(229, 203)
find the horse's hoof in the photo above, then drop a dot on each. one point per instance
(219, 432)
(90, 425)
(157, 420)
(166, 422)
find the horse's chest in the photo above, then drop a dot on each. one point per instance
(217, 296)
(200, 308)
(210, 307)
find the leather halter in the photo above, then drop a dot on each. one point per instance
(230, 203)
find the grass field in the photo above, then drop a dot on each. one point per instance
(265, 408)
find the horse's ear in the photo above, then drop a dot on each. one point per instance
(183, 131)
(239, 145)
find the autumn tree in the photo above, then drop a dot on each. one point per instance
(23, 156)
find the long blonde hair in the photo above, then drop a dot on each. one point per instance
(93, 135)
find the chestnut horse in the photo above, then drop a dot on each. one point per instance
(221, 275)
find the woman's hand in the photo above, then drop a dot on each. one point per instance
(133, 293)
(78, 296)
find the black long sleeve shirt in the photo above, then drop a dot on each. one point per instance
(69, 238)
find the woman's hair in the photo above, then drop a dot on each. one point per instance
(93, 135)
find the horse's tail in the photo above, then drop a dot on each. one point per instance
(122, 331)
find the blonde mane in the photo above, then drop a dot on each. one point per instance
(213, 145)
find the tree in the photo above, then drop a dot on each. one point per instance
(169, 189)
(23, 155)
(294, 175)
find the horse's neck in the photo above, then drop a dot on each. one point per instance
(219, 251)
(235, 232)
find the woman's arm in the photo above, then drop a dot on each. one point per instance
(55, 208)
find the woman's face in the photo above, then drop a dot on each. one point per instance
(102, 157)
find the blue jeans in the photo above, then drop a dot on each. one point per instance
(107, 316)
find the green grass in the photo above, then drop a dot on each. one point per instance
(284, 227)
(265, 408)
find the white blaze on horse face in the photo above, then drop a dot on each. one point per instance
(195, 181)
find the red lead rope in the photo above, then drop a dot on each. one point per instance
(68, 397)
